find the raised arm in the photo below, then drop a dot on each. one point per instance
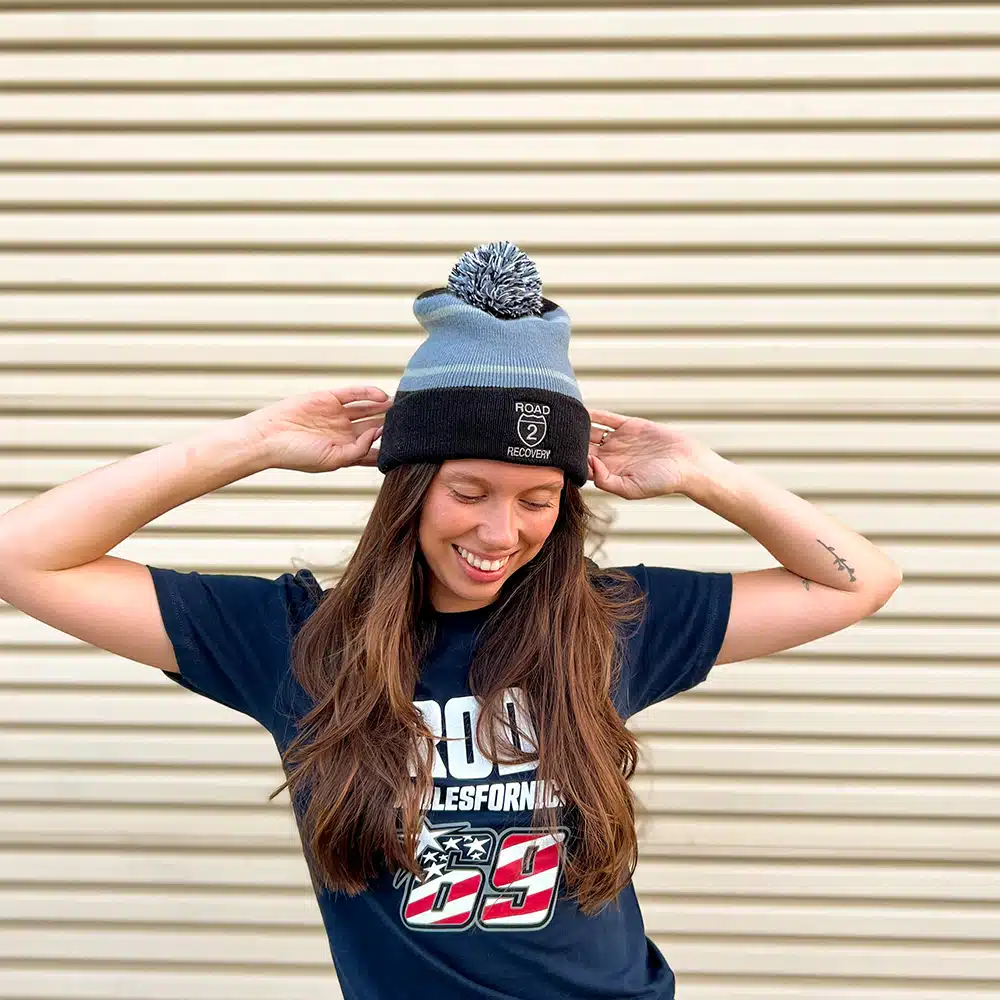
(53, 562)
(53, 548)
(830, 575)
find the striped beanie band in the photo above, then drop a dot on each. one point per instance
(493, 378)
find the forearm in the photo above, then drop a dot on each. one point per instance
(82, 519)
(804, 539)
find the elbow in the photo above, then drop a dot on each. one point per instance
(884, 590)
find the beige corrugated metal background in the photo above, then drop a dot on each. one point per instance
(776, 227)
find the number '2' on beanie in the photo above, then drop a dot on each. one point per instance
(493, 377)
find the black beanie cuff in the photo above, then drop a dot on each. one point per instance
(526, 426)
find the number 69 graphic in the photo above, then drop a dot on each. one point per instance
(517, 892)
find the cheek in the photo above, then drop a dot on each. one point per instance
(538, 531)
(440, 521)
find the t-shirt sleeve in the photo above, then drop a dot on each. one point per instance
(680, 635)
(232, 634)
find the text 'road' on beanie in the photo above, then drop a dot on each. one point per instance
(493, 378)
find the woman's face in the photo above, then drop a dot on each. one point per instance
(485, 509)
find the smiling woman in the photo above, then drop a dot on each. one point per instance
(476, 643)
(480, 717)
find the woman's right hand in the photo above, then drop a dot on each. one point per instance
(320, 431)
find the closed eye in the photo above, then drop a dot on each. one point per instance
(533, 506)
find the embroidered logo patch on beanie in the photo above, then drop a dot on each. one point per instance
(531, 425)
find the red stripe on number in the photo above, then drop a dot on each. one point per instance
(545, 859)
(535, 903)
(458, 889)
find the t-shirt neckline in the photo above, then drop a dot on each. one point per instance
(461, 619)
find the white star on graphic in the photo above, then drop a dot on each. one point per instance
(427, 840)
(453, 843)
(432, 838)
(476, 846)
(432, 871)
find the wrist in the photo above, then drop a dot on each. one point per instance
(234, 447)
(705, 474)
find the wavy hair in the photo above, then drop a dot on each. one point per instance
(361, 759)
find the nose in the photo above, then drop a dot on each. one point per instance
(498, 531)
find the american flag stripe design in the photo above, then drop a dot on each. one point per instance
(539, 881)
(516, 844)
(526, 868)
(460, 899)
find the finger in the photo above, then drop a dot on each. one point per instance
(602, 478)
(367, 406)
(364, 441)
(353, 392)
(608, 418)
(596, 433)
(363, 424)
(366, 412)
(370, 456)
(596, 473)
(370, 436)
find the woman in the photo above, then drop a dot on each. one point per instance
(451, 715)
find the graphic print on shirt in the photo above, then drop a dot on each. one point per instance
(458, 755)
(505, 880)
(497, 880)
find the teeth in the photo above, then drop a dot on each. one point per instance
(481, 563)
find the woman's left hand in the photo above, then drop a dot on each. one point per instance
(639, 459)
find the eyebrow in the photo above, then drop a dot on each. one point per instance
(479, 481)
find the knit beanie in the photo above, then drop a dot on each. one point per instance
(493, 378)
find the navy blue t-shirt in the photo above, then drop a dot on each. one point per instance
(490, 920)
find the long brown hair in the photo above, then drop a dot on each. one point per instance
(554, 631)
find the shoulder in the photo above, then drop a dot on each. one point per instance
(612, 577)
(232, 634)
(302, 595)
(683, 623)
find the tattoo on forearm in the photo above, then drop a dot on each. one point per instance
(838, 560)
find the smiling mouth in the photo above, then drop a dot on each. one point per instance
(479, 570)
